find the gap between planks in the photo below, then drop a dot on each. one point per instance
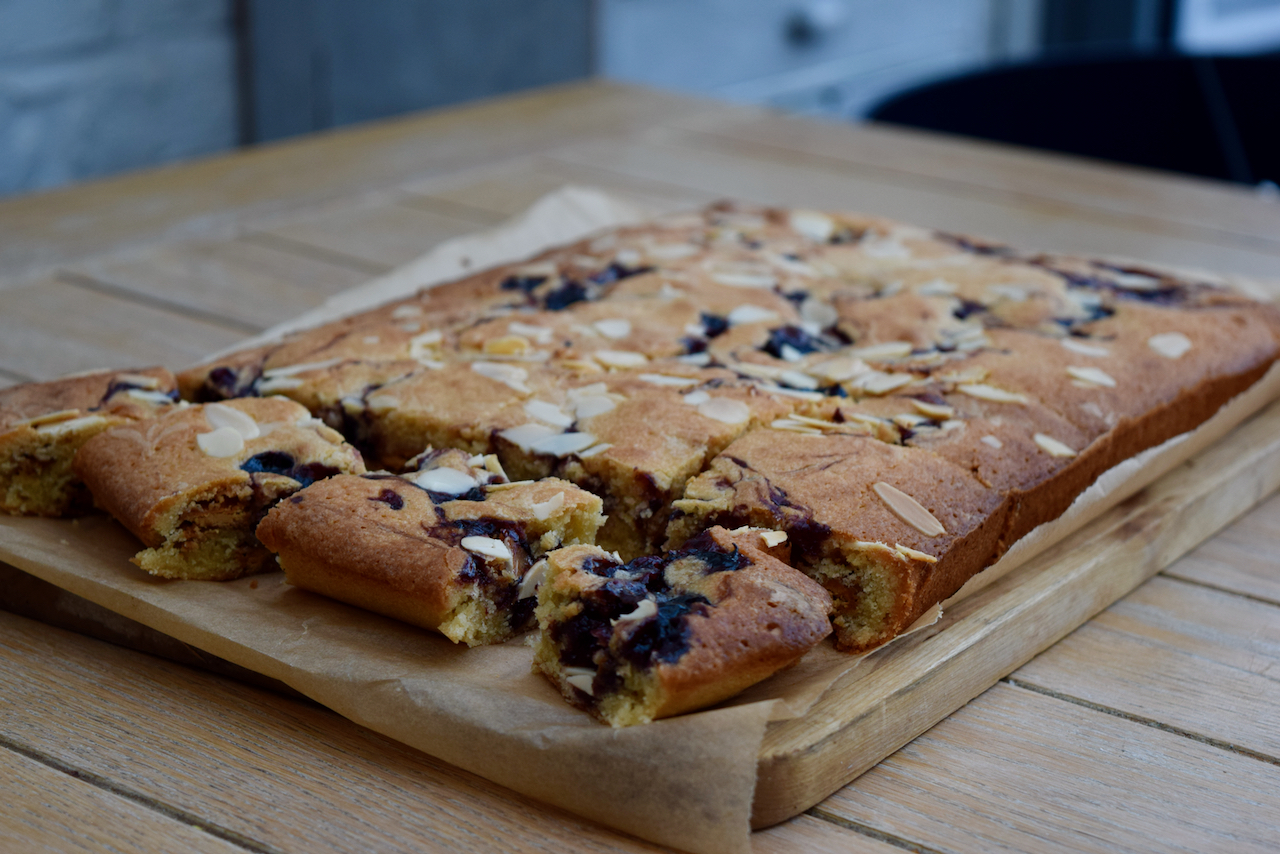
(1141, 719)
(171, 812)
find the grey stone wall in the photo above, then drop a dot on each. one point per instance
(90, 87)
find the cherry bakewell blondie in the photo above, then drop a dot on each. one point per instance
(42, 425)
(448, 546)
(662, 635)
(194, 482)
(904, 403)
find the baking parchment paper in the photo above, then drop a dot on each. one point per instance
(687, 782)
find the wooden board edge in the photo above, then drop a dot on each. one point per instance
(915, 684)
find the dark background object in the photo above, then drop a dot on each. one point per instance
(1140, 25)
(313, 64)
(1216, 117)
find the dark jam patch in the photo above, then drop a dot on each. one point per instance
(272, 462)
(967, 308)
(616, 271)
(564, 296)
(391, 498)
(968, 244)
(118, 386)
(796, 297)
(524, 284)
(223, 383)
(474, 494)
(714, 324)
(664, 637)
(794, 337)
(278, 462)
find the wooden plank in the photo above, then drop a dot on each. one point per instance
(371, 235)
(50, 328)
(288, 774)
(977, 168)
(249, 283)
(1244, 558)
(905, 688)
(197, 197)
(48, 810)
(1018, 771)
(1186, 657)
(1026, 223)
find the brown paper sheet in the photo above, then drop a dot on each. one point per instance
(687, 782)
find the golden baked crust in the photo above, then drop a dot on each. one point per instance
(660, 636)
(42, 425)
(193, 483)
(453, 565)
(700, 361)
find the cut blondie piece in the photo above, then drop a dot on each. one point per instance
(193, 483)
(888, 530)
(667, 634)
(447, 547)
(42, 425)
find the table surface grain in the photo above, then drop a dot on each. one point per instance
(1153, 727)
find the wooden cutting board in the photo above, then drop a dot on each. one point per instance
(906, 688)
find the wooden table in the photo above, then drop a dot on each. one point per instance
(1154, 727)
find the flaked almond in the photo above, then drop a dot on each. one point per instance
(749, 313)
(695, 398)
(542, 510)
(57, 428)
(909, 510)
(645, 609)
(525, 435)
(487, 546)
(302, 367)
(50, 418)
(404, 312)
(620, 358)
(983, 391)
(547, 412)
(222, 442)
(936, 411)
(839, 370)
(1053, 447)
(277, 384)
(540, 334)
(794, 427)
(992, 441)
(814, 225)
(594, 449)
(1091, 376)
(508, 345)
(1171, 345)
(913, 554)
(879, 382)
(533, 579)
(881, 352)
(745, 280)
(773, 538)
(509, 375)
(563, 444)
(1075, 345)
(613, 327)
(668, 380)
(591, 405)
(725, 410)
(220, 415)
(580, 678)
(446, 481)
